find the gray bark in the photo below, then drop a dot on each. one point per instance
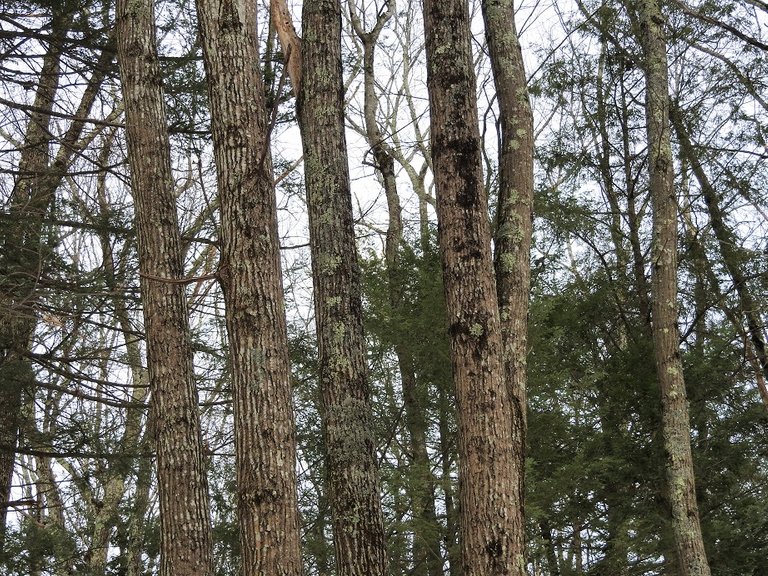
(251, 279)
(185, 533)
(353, 478)
(664, 309)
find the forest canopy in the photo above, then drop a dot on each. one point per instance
(376, 287)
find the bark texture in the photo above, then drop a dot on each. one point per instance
(514, 226)
(674, 405)
(185, 538)
(251, 278)
(353, 477)
(488, 487)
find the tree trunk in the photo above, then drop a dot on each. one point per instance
(251, 279)
(488, 485)
(185, 534)
(514, 227)
(666, 337)
(353, 486)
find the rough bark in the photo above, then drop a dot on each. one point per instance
(251, 279)
(514, 227)
(675, 419)
(488, 487)
(185, 538)
(353, 478)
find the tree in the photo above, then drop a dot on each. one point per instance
(353, 479)
(182, 484)
(512, 235)
(674, 409)
(265, 439)
(353, 482)
(488, 485)
(84, 496)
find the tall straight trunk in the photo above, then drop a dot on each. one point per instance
(514, 227)
(488, 485)
(427, 559)
(674, 405)
(185, 533)
(21, 261)
(251, 279)
(353, 477)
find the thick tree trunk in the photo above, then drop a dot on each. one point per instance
(251, 278)
(488, 485)
(353, 485)
(185, 537)
(514, 227)
(666, 337)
